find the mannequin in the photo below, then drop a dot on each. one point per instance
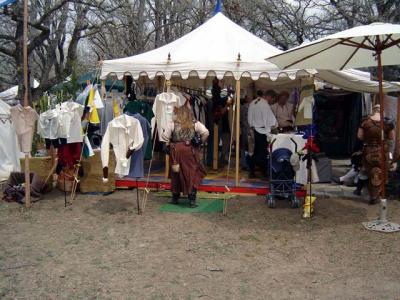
(370, 133)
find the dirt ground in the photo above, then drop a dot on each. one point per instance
(101, 249)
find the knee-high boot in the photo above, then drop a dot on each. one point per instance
(175, 198)
(192, 198)
(359, 186)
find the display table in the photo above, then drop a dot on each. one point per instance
(284, 140)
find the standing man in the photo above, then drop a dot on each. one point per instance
(284, 112)
(260, 119)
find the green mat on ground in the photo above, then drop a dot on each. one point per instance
(200, 195)
(204, 206)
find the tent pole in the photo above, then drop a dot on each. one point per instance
(382, 104)
(26, 101)
(167, 157)
(237, 167)
(215, 147)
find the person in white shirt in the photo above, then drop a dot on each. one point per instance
(261, 119)
(284, 112)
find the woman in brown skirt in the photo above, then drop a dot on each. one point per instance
(187, 171)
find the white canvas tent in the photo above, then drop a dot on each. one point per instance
(12, 92)
(213, 49)
(221, 48)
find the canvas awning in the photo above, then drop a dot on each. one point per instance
(213, 49)
(219, 48)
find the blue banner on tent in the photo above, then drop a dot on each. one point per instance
(6, 2)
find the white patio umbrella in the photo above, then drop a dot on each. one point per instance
(377, 44)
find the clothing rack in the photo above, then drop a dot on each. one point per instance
(200, 92)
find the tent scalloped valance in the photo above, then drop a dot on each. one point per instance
(273, 76)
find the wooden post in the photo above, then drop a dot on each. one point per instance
(397, 147)
(237, 152)
(103, 89)
(215, 147)
(26, 101)
(168, 84)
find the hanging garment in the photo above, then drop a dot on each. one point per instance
(163, 109)
(143, 108)
(97, 101)
(24, 119)
(75, 112)
(107, 115)
(69, 154)
(124, 132)
(49, 124)
(83, 97)
(65, 117)
(94, 115)
(137, 159)
(9, 148)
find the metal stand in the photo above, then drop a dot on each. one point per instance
(382, 224)
(65, 193)
(137, 198)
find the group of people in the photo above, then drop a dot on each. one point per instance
(259, 117)
(267, 113)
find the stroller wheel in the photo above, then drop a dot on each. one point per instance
(271, 201)
(295, 203)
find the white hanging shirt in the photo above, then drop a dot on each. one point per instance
(163, 109)
(24, 119)
(124, 132)
(260, 116)
(49, 124)
(74, 111)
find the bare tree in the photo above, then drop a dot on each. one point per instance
(55, 29)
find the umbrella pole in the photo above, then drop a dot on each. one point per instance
(382, 104)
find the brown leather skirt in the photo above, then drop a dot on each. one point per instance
(191, 170)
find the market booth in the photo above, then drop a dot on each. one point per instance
(219, 48)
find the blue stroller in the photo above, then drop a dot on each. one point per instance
(282, 177)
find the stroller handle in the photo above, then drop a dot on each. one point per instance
(271, 145)
(295, 144)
